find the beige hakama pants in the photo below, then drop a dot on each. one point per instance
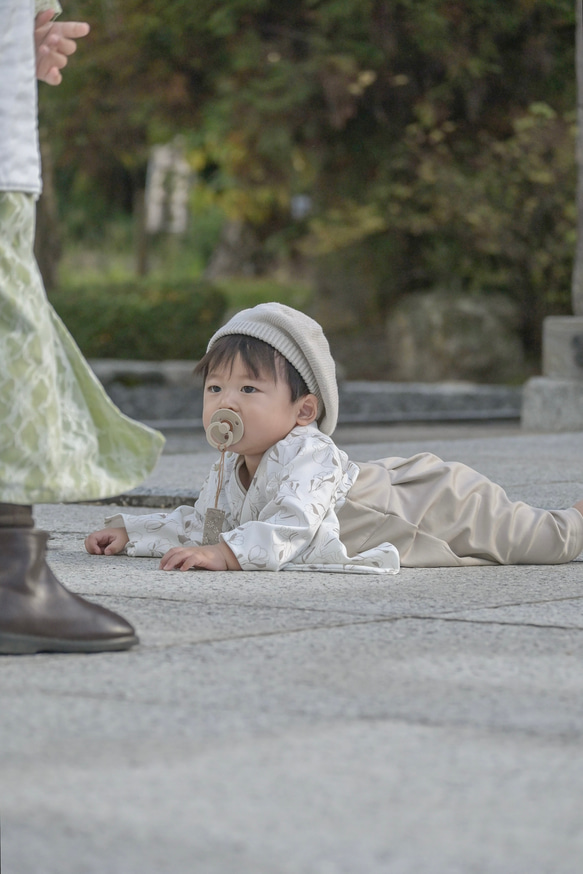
(445, 514)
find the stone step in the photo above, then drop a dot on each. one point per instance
(165, 393)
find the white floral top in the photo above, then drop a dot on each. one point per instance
(285, 521)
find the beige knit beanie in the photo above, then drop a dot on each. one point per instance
(299, 339)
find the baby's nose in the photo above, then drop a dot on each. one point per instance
(230, 399)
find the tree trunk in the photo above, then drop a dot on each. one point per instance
(577, 287)
(238, 252)
(141, 241)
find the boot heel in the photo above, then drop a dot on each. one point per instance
(38, 614)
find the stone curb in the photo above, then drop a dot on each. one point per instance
(157, 498)
(165, 394)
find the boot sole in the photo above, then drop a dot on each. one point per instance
(21, 644)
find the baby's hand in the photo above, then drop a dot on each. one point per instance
(108, 541)
(210, 558)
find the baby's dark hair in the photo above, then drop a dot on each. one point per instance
(259, 357)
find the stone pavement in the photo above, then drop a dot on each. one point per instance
(429, 723)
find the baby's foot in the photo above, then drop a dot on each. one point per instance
(579, 506)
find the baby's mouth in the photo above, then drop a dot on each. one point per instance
(224, 429)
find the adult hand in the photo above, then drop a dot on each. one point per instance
(54, 42)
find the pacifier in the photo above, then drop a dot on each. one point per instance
(225, 427)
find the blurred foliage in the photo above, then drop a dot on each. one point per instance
(441, 126)
(243, 292)
(104, 253)
(504, 221)
(159, 319)
(144, 320)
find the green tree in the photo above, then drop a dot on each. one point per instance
(397, 117)
(577, 288)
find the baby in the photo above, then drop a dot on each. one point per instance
(282, 496)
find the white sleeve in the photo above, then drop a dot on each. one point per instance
(302, 480)
(153, 534)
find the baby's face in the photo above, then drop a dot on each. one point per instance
(264, 405)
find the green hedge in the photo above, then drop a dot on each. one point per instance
(143, 320)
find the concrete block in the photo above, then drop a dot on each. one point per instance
(166, 394)
(113, 370)
(552, 404)
(417, 401)
(563, 347)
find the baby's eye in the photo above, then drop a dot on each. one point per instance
(213, 389)
(248, 389)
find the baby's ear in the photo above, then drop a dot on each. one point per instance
(307, 410)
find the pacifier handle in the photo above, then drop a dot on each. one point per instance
(225, 427)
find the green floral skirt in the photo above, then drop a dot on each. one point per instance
(61, 438)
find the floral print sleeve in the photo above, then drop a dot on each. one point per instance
(153, 534)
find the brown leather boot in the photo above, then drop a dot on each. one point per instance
(38, 614)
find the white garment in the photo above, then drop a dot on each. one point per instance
(285, 521)
(20, 168)
(19, 151)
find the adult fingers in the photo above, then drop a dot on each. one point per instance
(42, 25)
(61, 36)
(73, 29)
(53, 77)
